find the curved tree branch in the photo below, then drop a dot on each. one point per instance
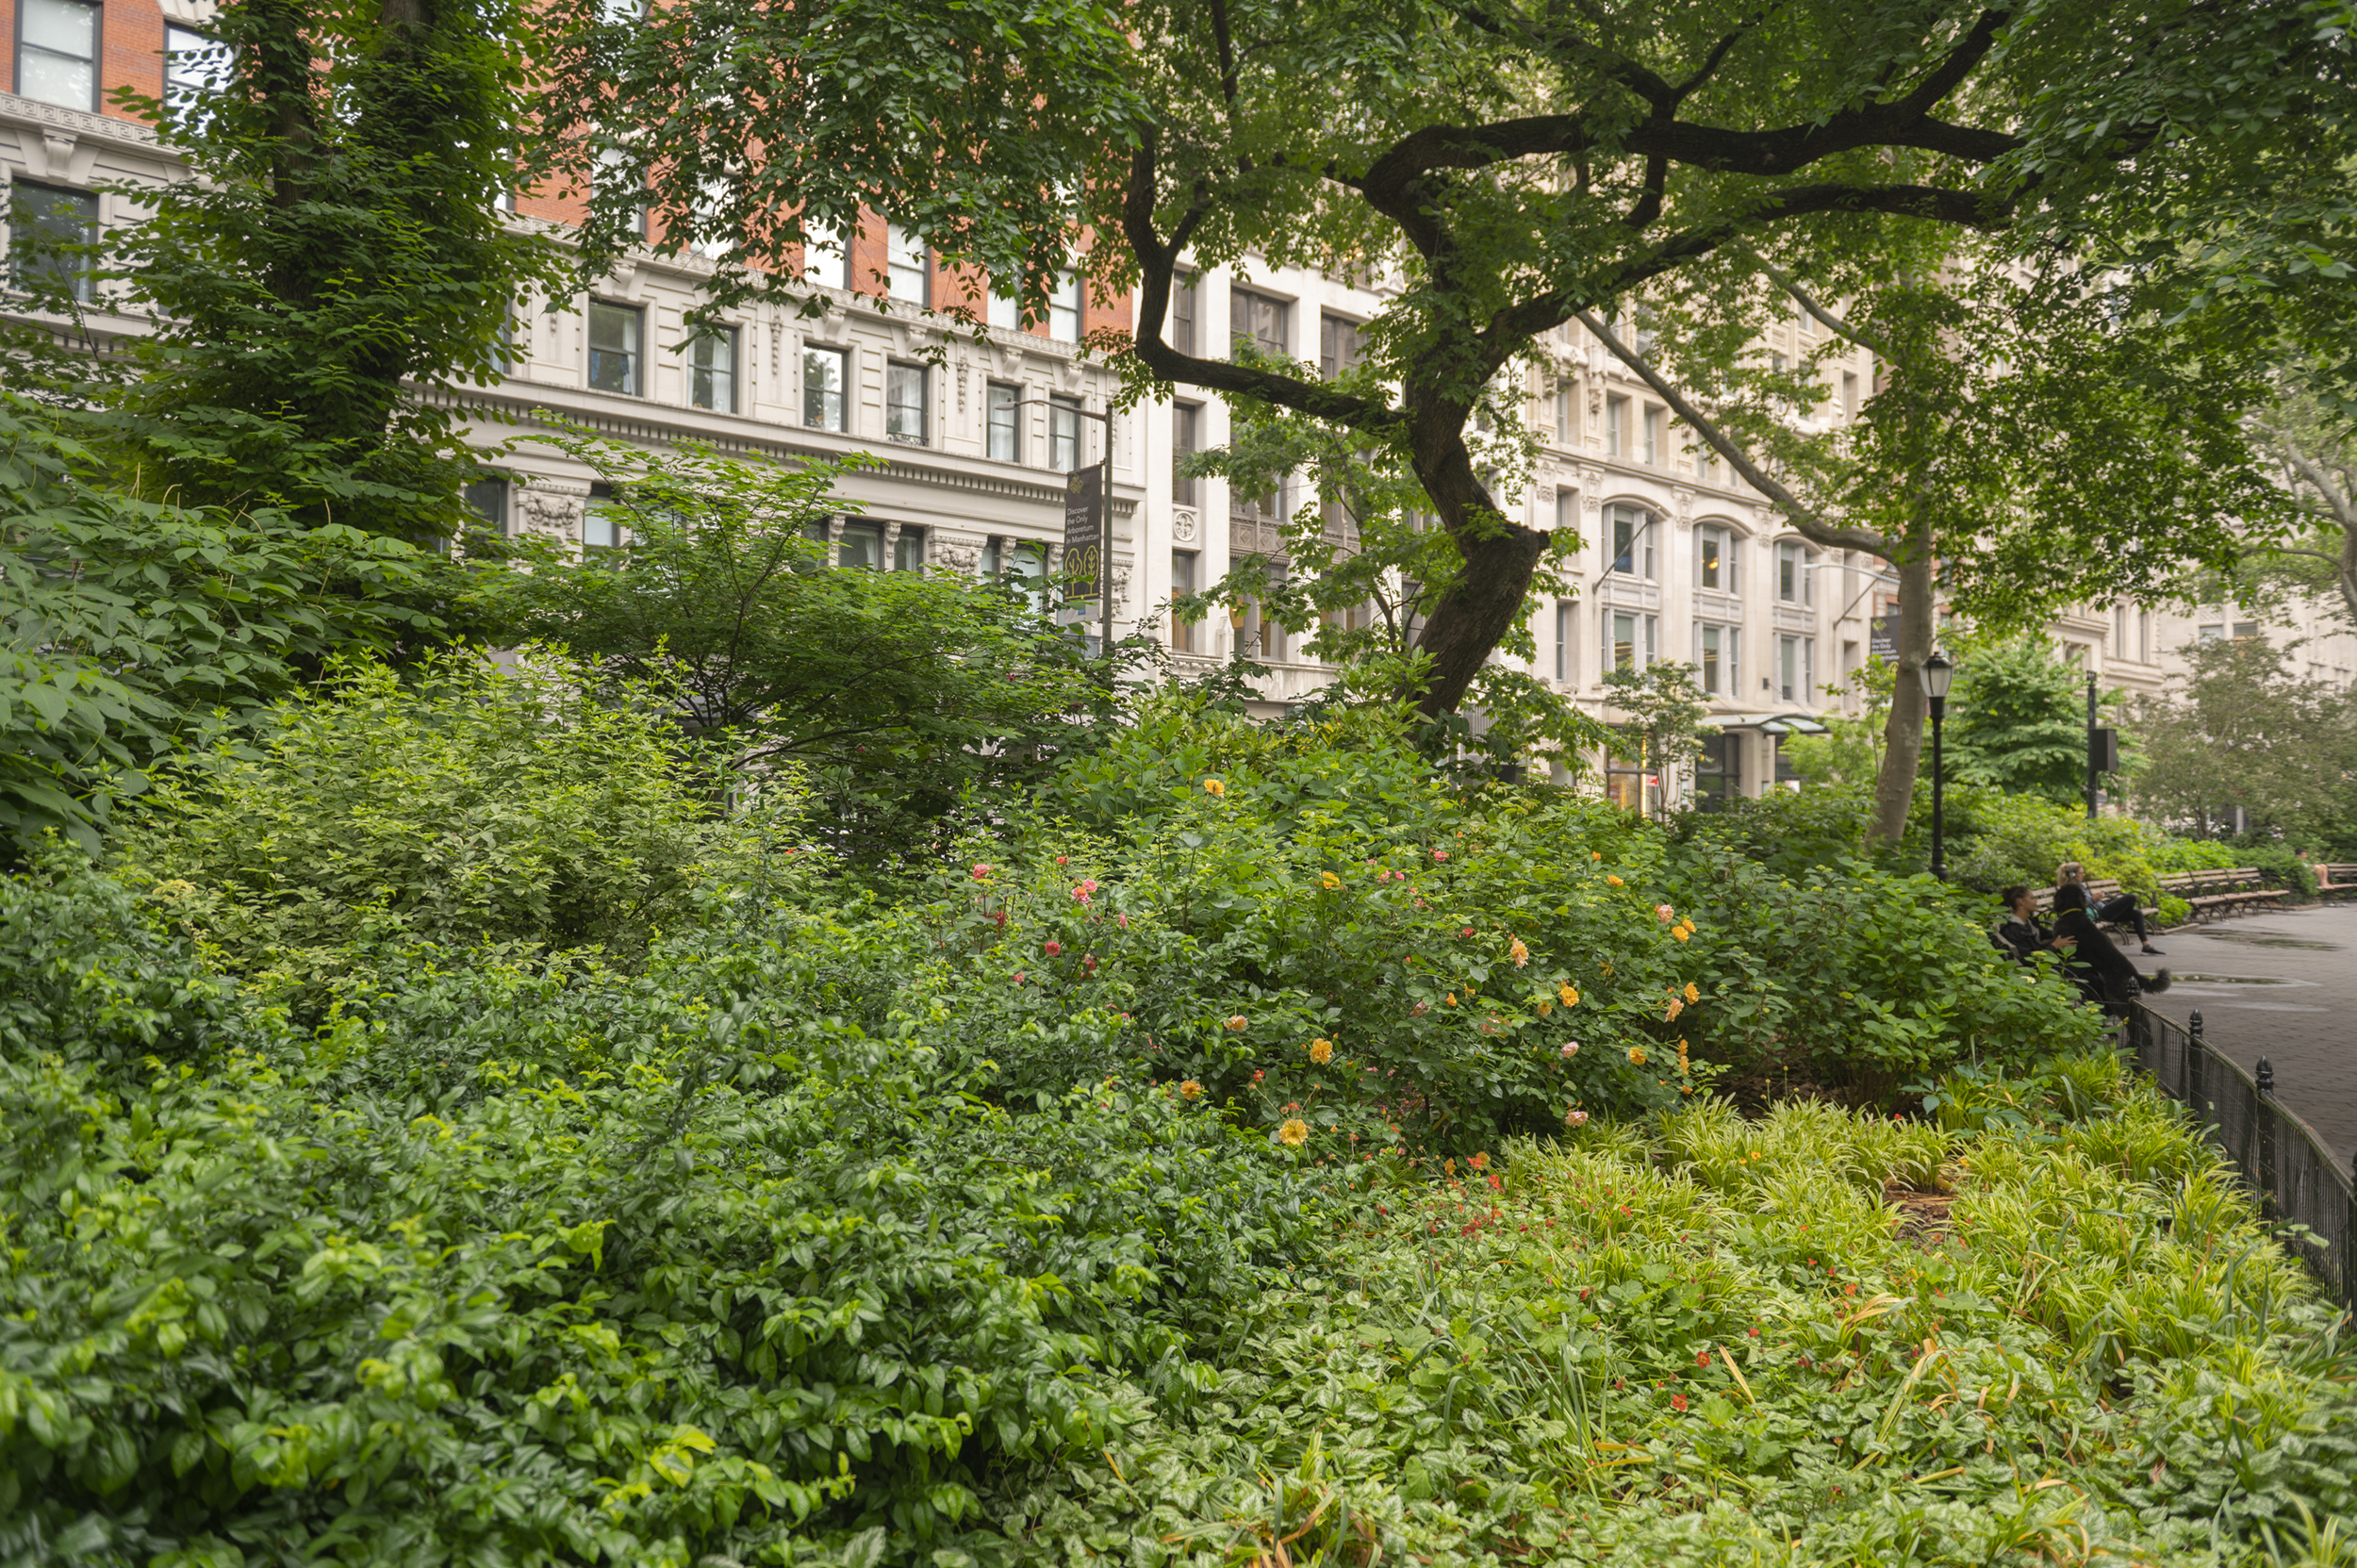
(1806, 520)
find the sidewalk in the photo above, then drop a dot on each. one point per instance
(2283, 985)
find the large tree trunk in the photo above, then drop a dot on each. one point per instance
(1903, 736)
(1501, 556)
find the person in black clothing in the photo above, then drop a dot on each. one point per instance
(2120, 909)
(2023, 934)
(2104, 974)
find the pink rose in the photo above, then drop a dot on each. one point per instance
(981, 871)
(1054, 948)
(1571, 1050)
(1440, 854)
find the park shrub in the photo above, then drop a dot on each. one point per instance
(469, 804)
(1716, 1341)
(686, 1268)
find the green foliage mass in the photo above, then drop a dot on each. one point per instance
(890, 694)
(2018, 722)
(2242, 729)
(655, 1268)
(677, 1265)
(134, 626)
(1019, 1211)
(339, 252)
(474, 806)
(1994, 838)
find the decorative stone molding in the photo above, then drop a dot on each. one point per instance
(75, 121)
(1683, 498)
(190, 14)
(552, 506)
(959, 553)
(1183, 524)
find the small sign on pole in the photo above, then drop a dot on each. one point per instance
(1882, 636)
(1084, 527)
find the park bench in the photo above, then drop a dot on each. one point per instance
(2223, 892)
(2335, 878)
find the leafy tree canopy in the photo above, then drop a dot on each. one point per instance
(2017, 721)
(336, 272)
(2242, 729)
(1518, 165)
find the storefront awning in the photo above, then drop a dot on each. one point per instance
(1766, 723)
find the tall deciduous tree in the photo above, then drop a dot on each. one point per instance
(336, 272)
(1521, 163)
(2017, 721)
(2034, 441)
(2241, 730)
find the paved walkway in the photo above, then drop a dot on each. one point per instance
(2281, 985)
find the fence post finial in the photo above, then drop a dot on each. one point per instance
(2267, 1078)
(2193, 1024)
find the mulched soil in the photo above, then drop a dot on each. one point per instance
(1922, 1216)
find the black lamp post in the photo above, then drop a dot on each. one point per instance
(1937, 672)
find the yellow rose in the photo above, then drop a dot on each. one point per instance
(1675, 1007)
(1190, 1090)
(1692, 995)
(1328, 881)
(1321, 1052)
(1520, 955)
(1637, 1054)
(1236, 1023)
(1570, 993)
(1294, 1132)
(1614, 880)
(1213, 787)
(1681, 934)
(1544, 1008)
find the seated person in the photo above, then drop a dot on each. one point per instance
(2104, 974)
(2120, 909)
(2023, 934)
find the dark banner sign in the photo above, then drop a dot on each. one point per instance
(1084, 525)
(1883, 636)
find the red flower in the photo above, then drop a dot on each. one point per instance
(1678, 1401)
(1055, 948)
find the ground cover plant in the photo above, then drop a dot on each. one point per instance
(1124, 1190)
(1713, 1339)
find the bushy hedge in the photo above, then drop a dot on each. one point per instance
(682, 1264)
(1993, 838)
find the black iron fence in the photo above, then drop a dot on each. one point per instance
(2297, 1182)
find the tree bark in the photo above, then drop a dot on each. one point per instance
(1903, 733)
(1486, 600)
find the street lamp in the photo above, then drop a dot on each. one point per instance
(1937, 672)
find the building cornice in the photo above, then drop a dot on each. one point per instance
(904, 465)
(17, 110)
